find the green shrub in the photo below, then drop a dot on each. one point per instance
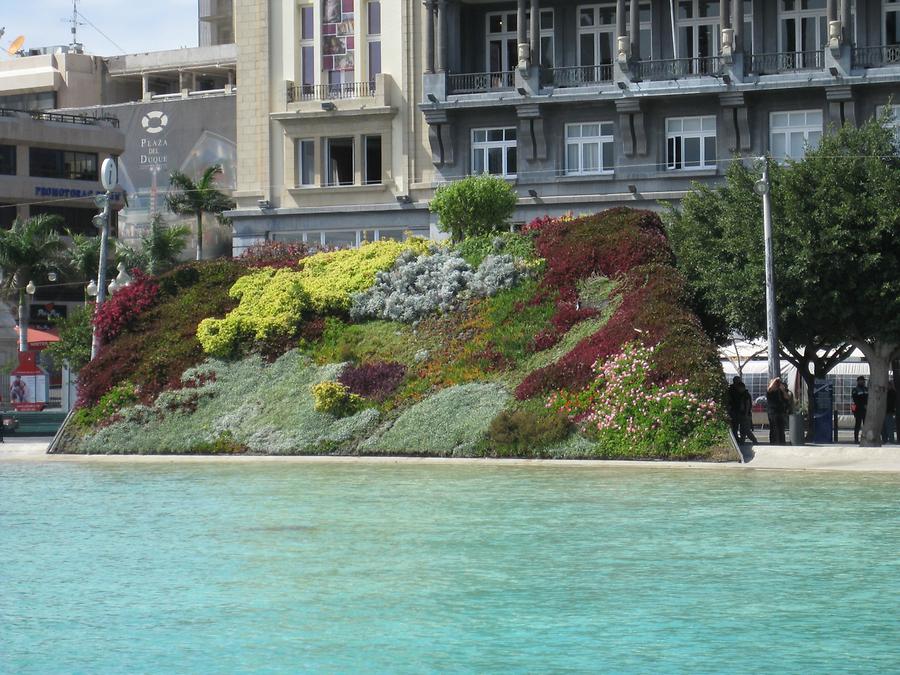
(223, 444)
(110, 403)
(595, 291)
(335, 399)
(473, 205)
(475, 249)
(525, 431)
(75, 333)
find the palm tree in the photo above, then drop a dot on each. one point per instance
(30, 248)
(163, 244)
(197, 198)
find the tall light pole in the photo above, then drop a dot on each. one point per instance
(108, 178)
(762, 187)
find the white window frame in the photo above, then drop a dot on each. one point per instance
(786, 130)
(482, 147)
(601, 29)
(675, 139)
(514, 36)
(298, 150)
(799, 15)
(307, 42)
(373, 38)
(605, 137)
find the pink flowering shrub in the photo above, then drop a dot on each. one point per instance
(631, 416)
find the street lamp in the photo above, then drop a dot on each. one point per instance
(762, 187)
(122, 280)
(30, 288)
(91, 289)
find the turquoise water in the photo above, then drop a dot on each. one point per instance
(262, 567)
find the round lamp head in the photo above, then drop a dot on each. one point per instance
(113, 287)
(30, 288)
(92, 288)
(761, 187)
(52, 276)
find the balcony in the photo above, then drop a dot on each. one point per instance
(297, 93)
(475, 83)
(581, 76)
(784, 62)
(875, 57)
(675, 69)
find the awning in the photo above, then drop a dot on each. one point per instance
(39, 339)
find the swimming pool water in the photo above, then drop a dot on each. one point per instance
(239, 567)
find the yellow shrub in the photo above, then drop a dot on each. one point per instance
(334, 398)
(330, 278)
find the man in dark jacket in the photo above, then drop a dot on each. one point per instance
(890, 415)
(732, 400)
(860, 396)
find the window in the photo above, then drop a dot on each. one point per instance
(372, 145)
(306, 162)
(374, 38)
(8, 160)
(589, 148)
(790, 132)
(47, 163)
(597, 33)
(893, 111)
(494, 151)
(78, 220)
(891, 22)
(698, 32)
(339, 162)
(502, 40)
(803, 27)
(690, 142)
(307, 50)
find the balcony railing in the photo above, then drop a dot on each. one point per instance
(327, 92)
(874, 57)
(473, 83)
(781, 62)
(582, 76)
(44, 116)
(673, 69)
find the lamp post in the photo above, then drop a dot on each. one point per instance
(762, 187)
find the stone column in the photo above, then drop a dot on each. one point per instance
(441, 63)
(831, 11)
(725, 15)
(429, 36)
(522, 36)
(846, 22)
(634, 30)
(620, 19)
(737, 23)
(535, 40)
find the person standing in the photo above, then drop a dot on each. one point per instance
(745, 414)
(889, 428)
(734, 405)
(775, 407)
(860, 395)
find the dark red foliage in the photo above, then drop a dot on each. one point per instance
(277, 254)
(312, 329)
(376, 380)
(630, 247)
(120, 311)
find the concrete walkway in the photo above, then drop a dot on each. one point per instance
(768, 457)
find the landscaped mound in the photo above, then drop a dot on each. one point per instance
(570, 339)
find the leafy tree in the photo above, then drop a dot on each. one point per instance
(474, 205)
(160, 248)
(29, 250)
(836, 216)
(75, 332)
(196, 198)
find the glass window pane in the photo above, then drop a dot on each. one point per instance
(546, 19)
(813, 138)
(709, 151)
(798, 140)
(779, 119)
(510, 134)
(547, 51)
(495, 134)
(673, 125)
(480, 135)
(394, 234)
(511, 162)
(495, 160)
(307, 162)
(495, 24)
(374, 17)
(608, 149)
(374, 60)
(586, 50)
(342, 239)
(691, 124)
(306, 55)
(709, 124)
(691, 152)
(591, 130)
(590, 159)
(814, 117)
(478, 161)
(777, 141)
(586, 17)
(572, 165)
(573, 131)
(606, 129)
(797, 119)
(306, 23)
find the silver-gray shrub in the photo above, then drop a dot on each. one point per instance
(417, 286)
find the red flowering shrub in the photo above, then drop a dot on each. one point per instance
(162, 343)
(631, 248)
(376, 380)
(277, 254)
(120, 311)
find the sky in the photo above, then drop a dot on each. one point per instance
(134, 26)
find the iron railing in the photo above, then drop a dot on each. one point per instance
(780, 62)
(673, 69)
(472, 83)
(874, 57)
(582, 76)
(44, 116)
(327, 92)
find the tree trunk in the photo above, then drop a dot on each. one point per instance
(199, 235)
(879, 357)
(23, 321)
(896, 368)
